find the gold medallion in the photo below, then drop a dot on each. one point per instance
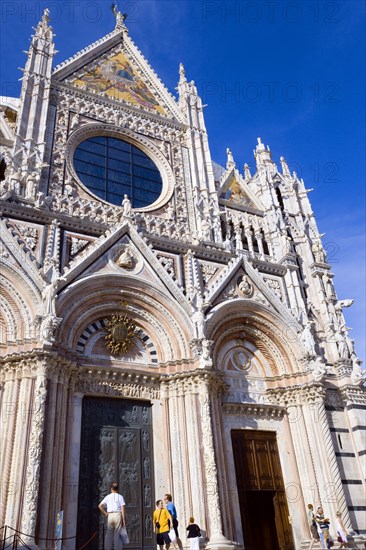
(121, 333)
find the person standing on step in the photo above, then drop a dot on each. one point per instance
(113, 507)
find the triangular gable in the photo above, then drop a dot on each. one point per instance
(234, 192)
(17, 252)
(117, 78)
(114, 68)
(93, 257)
(228, 287)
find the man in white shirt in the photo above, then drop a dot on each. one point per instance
(113, 507)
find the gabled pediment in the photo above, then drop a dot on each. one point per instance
(17, 253)
(233, 191)
(122, 252)
(114, 68)
(241, 280)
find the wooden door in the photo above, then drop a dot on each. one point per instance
(262, 498)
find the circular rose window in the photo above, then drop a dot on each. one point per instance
(111, 168)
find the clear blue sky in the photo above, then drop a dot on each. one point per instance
(291, 72)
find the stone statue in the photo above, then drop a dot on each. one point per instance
(127, 208)
(342, 304)
(230, 158)
(318, 368)
(30, 186)
(205, 230)
(48, 326)
(245, 287)
(43, 201)
(170, 214)
(49, 297)
(342, 346)
(227, 244)
(308, 338)
(318, 251)
(199, 321)
(357, 374)
(205, 360)
(126, 259)
(16, 182)
(206, 349)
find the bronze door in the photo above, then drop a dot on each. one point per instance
(116, 445)
(262, 498)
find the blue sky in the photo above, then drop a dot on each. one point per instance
(291, 72)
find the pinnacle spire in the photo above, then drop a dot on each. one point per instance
(43, 29)
(182, 74)
(230, 159)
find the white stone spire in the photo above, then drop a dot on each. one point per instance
(29, 143)
(284, 166)
(261, 154)
(230, 163)
(247, 174)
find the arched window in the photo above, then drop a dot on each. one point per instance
(111, 168)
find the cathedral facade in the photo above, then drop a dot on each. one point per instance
(166, 322)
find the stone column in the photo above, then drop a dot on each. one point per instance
(325, 460)
(37, 425)
(177, 430)
(249, 237)
(54, 448)
(9, 404)
(303, 450)
(197, 498)
(258, 237)
(238, 239)
(72, 461)
(217, 539)
(228, 520)
(25, 409)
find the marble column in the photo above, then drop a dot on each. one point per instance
(217, 540)
(10, 394)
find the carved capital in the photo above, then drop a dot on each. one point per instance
(297, 395)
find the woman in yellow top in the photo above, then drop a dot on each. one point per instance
(162, 521)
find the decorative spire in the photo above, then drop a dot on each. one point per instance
(230, 159)
(46, 16)
(43, 29)
(285, 169)
(260, 146)
(247, 174)
(182, 74)
(261, 154)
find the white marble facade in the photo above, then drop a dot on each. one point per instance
(235, 331)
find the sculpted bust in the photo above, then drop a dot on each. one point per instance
(126, 259)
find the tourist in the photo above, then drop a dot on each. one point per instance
(113, 507)
(172, 511)
(194, 534)
(313, 528)
(323, 528)
(161, 521)
(342, 532)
